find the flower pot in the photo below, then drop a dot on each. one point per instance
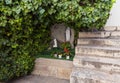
(67, 57)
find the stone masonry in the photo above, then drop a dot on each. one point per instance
(97, 58)
(51, 67)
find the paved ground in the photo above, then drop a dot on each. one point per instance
(39, 79)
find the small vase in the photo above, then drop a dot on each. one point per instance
(67, 57)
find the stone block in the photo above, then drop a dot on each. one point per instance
(110, 28)
(98, 51)
(53, 70)
(118, 27)
(100, 42)
(98, 63)
(102, 34)
(53, 62)
(64, 73)
(93, 76)
(39, 72)
(115, 34)
(51, 67)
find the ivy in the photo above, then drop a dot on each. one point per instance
(25, 28)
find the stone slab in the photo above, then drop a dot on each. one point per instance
(94, 75)
(53, 62)
(100, 63)
(94, 34)
(98, 51)
(51, 67)
(110, 28)
(100, 42)
(102, 34)
(39, 79)
(64, 73)
(118, 27)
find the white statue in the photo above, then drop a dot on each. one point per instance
(55, 43)
(67, 34)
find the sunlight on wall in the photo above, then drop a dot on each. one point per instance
(114, 19)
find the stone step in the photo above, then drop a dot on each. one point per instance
(101, 42)
(112, 28)
(53, 62)
(83, 75)
(52, 67)
(99, 34)
(98, 63)
(103, 51)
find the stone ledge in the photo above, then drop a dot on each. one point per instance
(98, 63)
(94, 75)
(52, 67)
(99, 34)
(100, 42)
(110, 28)
(99, 51)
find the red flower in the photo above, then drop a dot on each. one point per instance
(66, 50)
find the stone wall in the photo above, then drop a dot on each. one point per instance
(52, 67)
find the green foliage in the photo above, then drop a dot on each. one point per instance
(82, 14)
(50, 53)
(25, 28)
(22, 35)
(15, 66)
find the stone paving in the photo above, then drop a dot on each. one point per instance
(39, 79)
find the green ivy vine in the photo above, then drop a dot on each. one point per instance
(25, 28)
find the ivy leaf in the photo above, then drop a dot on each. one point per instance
(14, 45)
(8, 1)
(42, 11)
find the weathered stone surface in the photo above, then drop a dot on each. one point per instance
(115, 34)
(99, 51)
(102, 34)
(64, 73)
(110, 28)
(99, 63)
(97, 57)
(93, 76)
(94, 34)
(118, 27)
(38, 79)
(100, 42)
(51, 67)
(53, 62)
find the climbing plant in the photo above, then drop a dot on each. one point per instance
(22, 35)
(25, 28)
(80, 14)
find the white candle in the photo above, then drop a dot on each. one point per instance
(60, 56)
(55, 43)
(67, 57)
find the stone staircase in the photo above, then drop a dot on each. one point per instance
(97, 58)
